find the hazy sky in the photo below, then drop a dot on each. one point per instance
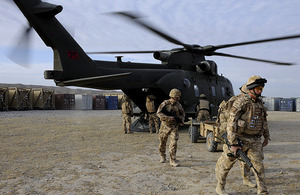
(203, 22)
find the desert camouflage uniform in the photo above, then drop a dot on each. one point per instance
(223, 116)
(152, 115)
(203, 110)
(247, 121)
(169, 127)
(127, 112)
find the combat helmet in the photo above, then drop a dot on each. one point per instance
(175, 93)
(202, 96)
(150, 98)
(255, 81)
(126, 98)
(243, 89)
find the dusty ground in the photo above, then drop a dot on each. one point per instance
(85, 152)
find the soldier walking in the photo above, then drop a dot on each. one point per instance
(152, 117)
(127, 113)
(248, 123)
(222, 120)
(171, 115)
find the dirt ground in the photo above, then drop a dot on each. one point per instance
(86, 152)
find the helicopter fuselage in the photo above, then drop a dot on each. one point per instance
(185, 70)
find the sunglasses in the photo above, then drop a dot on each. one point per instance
(259, 88)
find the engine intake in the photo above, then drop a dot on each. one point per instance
(207, 66)
(163, 57)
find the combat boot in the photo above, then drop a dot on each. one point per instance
(173, 163)
(249, 183)
(220, 189)
(162, 159)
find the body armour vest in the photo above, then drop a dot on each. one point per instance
(203, 105)
(150, 106)
(126, 108)
(253, 117)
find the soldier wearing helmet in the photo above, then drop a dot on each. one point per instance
(171, 114)
(248, 123)
(127, 113)
(222, 120)
(202, 109)
(151, 111)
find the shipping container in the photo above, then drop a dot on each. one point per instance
(43, 99)
(286, 104)
(83, 102)
(4, 98)
(276, 103)
(64, 101)
(99, 102)
(120, 97)
(111, 102)
(297, 104)
(269, 103)
(20, 98)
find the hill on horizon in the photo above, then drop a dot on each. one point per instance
(63, 90)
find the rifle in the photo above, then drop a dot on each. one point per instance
(239, 152)
(172, 114)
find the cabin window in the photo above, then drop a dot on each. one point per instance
(196, 90)
(186, 83)
(223, 91)
(213, 91)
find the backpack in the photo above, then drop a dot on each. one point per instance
(223, 113)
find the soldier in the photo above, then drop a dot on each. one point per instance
(171, 115)
(203, 108)
(127, 113)
(247, 122)
(222, 119)
(152, 113)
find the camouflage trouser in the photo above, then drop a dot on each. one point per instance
(203, 114)
(253, 148)
(245, 170)
(164, 132)
(153, 119)
(126, 123)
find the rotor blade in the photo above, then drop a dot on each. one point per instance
(135, 18)
(254, 59)
(214, 48)
(125, 52)
(20, 52)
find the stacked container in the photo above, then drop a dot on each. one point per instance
(20, 99)
(99, 102)
(64, 101)
(43, 99)
(83, 102)
(4, 98)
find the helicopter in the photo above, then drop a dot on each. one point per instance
(184, 68)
